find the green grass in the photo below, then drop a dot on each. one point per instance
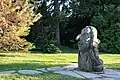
(33, 61)
(111, 60)
(47, 76)
(69, 50)
(17, 61)
(9, 61)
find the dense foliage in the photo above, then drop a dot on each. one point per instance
(47, 30)
(61, 21)
(104, 15)
(15, 18)
(108, 23)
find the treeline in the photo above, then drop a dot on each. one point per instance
(61, 21)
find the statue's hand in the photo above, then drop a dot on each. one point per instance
(96, 42)
(78, 37)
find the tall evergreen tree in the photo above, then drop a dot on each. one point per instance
(15, 18)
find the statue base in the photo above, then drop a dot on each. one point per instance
(89, 62)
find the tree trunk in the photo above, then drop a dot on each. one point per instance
(57, 20)
(58, 34)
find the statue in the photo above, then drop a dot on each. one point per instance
(88, 57)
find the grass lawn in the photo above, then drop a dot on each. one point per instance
(47, 76)
(17, 61)
(32, 61)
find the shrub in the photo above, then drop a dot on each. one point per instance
(108, 24)
(50, 48)
(47, 46)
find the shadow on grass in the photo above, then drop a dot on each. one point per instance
(63, 49)
(19, 66)
(113, 66)
(44, 76)
(4, 55)
(52, 76)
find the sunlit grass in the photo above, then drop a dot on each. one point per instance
(46, 76)
(32, 61)
(111, 60)
(17, 61)
(9, 61)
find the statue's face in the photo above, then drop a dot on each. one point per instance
(86, 34)
(85, 31)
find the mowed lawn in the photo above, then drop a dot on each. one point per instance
(17, 61)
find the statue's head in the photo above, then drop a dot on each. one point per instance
(88, 30)
(85, 30)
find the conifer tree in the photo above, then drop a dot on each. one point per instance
(15, 18)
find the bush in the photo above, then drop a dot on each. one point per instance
(47, 46)
(108, 24)
(50, 48)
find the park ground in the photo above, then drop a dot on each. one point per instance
(19, 61)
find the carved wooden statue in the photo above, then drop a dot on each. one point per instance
(88, 57)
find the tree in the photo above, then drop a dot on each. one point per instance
(103, 14)
(108, 25)
(47, 28)
(15, 18)
(82, 13)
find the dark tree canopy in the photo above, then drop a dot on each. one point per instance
(63, 19)
(47, 29)
(104, 15)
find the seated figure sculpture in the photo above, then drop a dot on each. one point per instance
(88, 57)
